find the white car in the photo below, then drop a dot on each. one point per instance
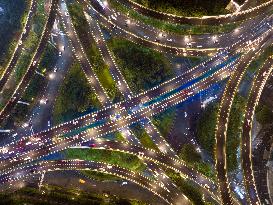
(113, 17)
(124, 183)
(169, 39)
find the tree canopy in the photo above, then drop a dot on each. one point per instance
(187, 7)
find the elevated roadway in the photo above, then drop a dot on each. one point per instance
(48, 166)
(205, 20)
(246, 145)
(19, 46)
(23, 84)
(224, 112)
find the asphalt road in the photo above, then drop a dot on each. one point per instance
(253, 99)
(21, 87)
(19, 47)
(206, 20)
(223, 116)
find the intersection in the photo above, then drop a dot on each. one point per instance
(229, 56)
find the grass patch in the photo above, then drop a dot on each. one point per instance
(75, 96)
(11, 22)
(206, 130)
(21, 112)
(255, 64)
(195, 8)
(189, 154)
(191, 191)
(174, 28)
(121, 159)
(263, 114)
(143, 137)
(135, 61)
(164, 121)
(92, 52)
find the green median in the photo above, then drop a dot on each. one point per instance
(121, 159)
(92, 52)
(75, 96)
(142, 67)
(11, 23)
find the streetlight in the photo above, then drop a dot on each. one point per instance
(187, 39)
(214, 38)
(51, 76)
(105, 3)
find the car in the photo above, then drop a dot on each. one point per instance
(147, 37)
(189, 44)
(113, 17)
(60, 53)
(48, 123)
(169, 39)
(92, 145)
(124, 183)
(55, 69)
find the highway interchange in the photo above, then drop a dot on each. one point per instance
(230, 53)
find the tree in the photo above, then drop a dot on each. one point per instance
(264, 115)
(189, 154)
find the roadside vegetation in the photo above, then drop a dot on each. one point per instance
(263, 114)
(257, 62)
(92, 52)
(164, 121)
(75, 96)
(31, 43)
(11, 23)
(21, 112)
(143, 137)
(52, 195)
(121, 159)
(184, 29)
(28, 51)
(188, 189)
(195, 8)
(189, 154)
(206, 130)
(153, 68)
